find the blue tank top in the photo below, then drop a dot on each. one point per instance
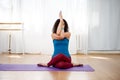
(61, 46)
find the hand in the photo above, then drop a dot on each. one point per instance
(60, 15)
(61, 19)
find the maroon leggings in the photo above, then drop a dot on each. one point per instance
(60, 61)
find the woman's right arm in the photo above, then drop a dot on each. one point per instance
(61, 24)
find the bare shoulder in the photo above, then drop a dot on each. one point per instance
(52, 35)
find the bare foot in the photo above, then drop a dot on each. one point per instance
(77, 65)
(42, 65)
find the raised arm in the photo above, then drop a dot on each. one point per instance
(60, 34)
(60, 28)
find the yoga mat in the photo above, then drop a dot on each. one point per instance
(34, 67)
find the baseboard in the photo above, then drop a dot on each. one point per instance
(21, 53)
(78, 53)
(9, 53)
(100, 52)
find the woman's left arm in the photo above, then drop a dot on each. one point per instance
(67, 35)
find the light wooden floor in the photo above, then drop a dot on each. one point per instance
(107, 67)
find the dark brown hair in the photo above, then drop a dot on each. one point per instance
(66, 28)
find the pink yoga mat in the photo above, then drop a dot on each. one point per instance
(34, 67)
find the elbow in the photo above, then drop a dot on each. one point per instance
(58, 33)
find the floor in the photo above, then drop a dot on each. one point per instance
(107, 67)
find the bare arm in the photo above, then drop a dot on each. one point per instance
(55, 36)
(60, 29)
(66, 35)
(60, 34)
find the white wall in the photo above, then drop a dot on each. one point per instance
(104, 26)
(38, 17)
(96, 21)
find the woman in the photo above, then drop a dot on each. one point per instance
(61, 35)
